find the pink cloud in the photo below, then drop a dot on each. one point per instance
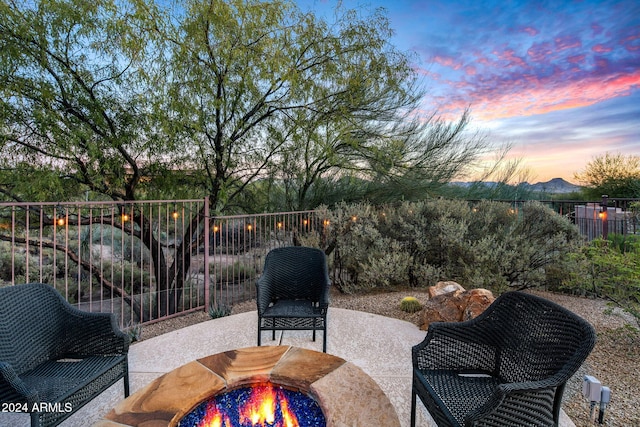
(576, 59)
(567, 42)
(531, 31)
(447, 61)
(629, 42)
(631, 38)
(470, 70)
(511, 58)
(540, 51)
(541, 98)
(527, 94)
(600, 48)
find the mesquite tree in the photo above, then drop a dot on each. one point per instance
(133, 99)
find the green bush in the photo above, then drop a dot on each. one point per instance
(218, 309)
(605, 270)
(625, 243)
(231, 273)
(127, 276)
(488, 244)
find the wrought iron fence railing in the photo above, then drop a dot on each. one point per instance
(149, 260)
(144, 261)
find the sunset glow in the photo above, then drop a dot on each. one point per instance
(560, 81)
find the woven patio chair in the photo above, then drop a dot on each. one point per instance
(507, 367)
(55, 358)
(293, 292)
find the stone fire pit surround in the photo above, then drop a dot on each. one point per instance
(346, 394)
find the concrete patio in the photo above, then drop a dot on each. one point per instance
(380, 346)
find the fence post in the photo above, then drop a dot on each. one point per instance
(604, 216)
(206, 254)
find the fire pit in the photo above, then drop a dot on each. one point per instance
(257, 405)
(344, 394)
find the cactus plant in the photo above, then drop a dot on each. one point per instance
(410, 305)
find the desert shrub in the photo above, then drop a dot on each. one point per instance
(516, 248)
(7, 259)
(126, 275)
(231, 273)
(602, 269)
(219, 309)
(353, 231)
(433, 233)
(134, 332)
(44, 271)
(489, 244)
(311, 239)
(410, 305)
(387, 269)
(625, 243)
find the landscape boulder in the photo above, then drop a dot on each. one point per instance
(456, 306)
(444, 287)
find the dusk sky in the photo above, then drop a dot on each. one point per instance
(559, 80)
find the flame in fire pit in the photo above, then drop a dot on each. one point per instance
(260, 405)
(261, 408)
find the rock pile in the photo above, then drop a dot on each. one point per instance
(450, 302)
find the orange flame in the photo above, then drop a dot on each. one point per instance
(260, 409)
(214, 418)
(265, 406)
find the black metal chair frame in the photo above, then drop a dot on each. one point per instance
(293, 292)
(55, 358)
(507, 367)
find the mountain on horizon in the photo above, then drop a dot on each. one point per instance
(555, 185)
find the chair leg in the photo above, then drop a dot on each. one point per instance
(126, 381)
(413, 408)
(324, 340)
(259, 331)
(35, 420)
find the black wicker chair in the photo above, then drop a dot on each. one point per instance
(507, 367)
(293, 292)
(55, 358)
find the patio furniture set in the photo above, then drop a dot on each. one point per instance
(507, 367)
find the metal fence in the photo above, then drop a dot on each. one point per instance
(144, 261)
(599, 218)
(149, 260)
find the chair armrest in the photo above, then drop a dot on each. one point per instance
(456, 346)
(12, 388)
(324, 297)
(263, 294)
(88, 334)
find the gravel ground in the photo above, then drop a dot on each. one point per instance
(614, 360)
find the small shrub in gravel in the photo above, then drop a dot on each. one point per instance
(410, 305)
